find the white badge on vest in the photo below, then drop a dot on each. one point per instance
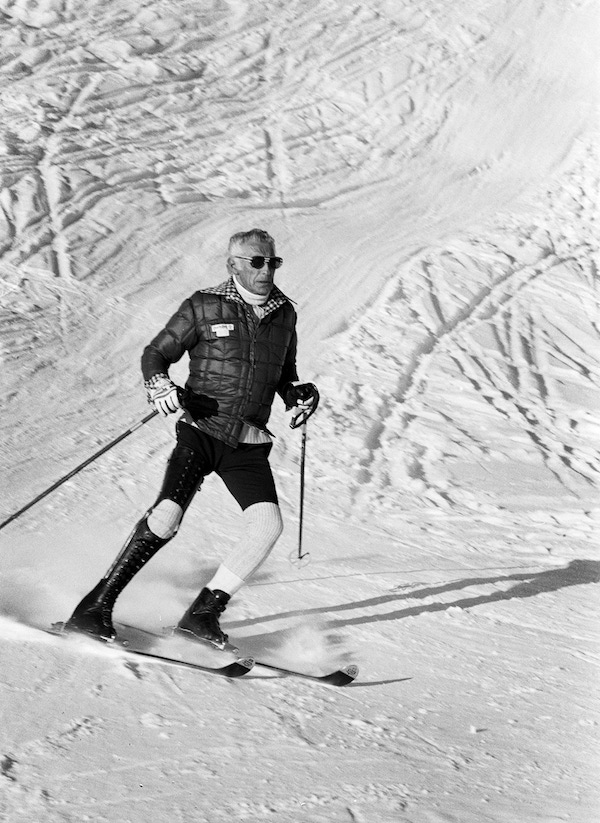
(222, 329)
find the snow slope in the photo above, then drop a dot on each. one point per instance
(430, 173)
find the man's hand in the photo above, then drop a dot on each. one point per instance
(303, 399)
(163, 394)
(302, 395)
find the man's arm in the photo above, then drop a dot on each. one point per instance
(288, 372)
(302, 397)
(178, 336)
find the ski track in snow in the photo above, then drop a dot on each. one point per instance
(507, 343)
(431, 176)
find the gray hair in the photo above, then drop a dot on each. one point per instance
(252, 236)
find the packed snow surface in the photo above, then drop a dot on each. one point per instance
(430, 173)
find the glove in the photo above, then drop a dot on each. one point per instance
(162, 393)
(301, 395)
(303, 398)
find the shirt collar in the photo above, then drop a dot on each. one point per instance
(228, 290)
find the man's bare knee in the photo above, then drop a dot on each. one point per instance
(164, 519)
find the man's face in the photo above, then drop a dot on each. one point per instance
(258, 281)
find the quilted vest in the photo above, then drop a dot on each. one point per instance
(237, 362)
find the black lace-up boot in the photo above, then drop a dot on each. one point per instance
(201, 620)
(183, 476)
(94, 614)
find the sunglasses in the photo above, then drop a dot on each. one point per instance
(257, 262)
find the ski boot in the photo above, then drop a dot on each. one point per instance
(201, 620)
(93, 615)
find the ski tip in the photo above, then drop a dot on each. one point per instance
(239, 667)
(342, 677)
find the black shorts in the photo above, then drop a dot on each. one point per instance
(245, 469)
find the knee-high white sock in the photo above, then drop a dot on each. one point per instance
(261, 527)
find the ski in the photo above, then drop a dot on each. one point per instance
(338, 677)
(237, 668)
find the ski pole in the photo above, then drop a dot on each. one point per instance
(79, 468)
(301, 515)
(300, 421)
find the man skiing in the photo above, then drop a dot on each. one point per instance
(241, 340)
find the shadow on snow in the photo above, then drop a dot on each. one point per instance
(527, 584)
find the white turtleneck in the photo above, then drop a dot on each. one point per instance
(257, 301)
